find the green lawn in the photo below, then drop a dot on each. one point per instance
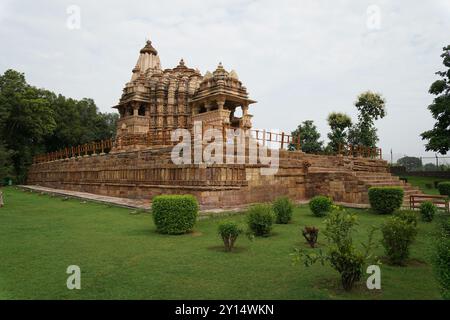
(424, 183)
(122, 257)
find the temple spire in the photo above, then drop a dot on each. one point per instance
(148, 59)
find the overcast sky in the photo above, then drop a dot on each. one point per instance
(300, 60)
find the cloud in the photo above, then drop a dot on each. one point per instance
(299, 59)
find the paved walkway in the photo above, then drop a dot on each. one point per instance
(121, 202)
(146, 204)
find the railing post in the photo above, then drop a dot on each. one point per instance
(282, 140)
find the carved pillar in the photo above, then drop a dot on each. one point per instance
(135, 107)
(208, 106)
(245, 109)
(220, 103)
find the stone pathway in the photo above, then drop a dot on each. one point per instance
(121, 202)
(146, 204)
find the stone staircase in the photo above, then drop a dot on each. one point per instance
(356, 175)
(386, 179)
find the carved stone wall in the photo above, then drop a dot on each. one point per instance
(146, 173)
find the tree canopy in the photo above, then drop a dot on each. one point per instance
(410, 163)
(34, 120)
(371, 107)
(439, 137)
(309, 137)
(339, 124)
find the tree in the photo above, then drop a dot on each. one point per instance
(410, 163)
(439, 137)
(309, 137)
(34, 121)
(430, 167)
(6, 164)
(26, 118)
(339, 124)
(371, 107)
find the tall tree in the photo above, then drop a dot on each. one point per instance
(309, 137)
(36, 120)
(410, 163)
(339, 124)
(371, 107)
(26, 118)
(439, 137)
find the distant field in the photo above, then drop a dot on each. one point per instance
(121, 256)
(426, 184)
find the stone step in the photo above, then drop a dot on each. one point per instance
(372, 178)
(372, 173)
(325, 170)
(385, 184)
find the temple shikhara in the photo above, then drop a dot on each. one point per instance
(159, 100)
(137, 163)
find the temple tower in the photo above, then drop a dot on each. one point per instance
(156, 101)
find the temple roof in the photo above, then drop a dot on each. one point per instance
(148, 48)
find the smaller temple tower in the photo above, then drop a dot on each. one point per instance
(216, 100)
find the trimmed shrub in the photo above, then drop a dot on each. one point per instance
(445, 225)
(398, 235)
(174, 214)
(441, 260)
(229, 231)
(442, 266)
(407, 216)
(260, 218)
(427, 211)
(283, 208)
(311, 234)
(385, 200)
(320, 205)
(444, 188)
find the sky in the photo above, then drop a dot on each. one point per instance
(299, 59)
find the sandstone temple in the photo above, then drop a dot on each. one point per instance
(156, 101)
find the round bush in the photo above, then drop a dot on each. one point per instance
(320, 205)
(283, 208)
(385, 200)
(260, 219)
(229, 231)
(441, 264)
(174, 214)
(397, 238)
(427, 211)
(444, 188)
(407, 216)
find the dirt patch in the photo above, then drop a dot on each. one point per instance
(237, 249)
(412, 262)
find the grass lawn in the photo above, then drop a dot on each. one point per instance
(424, 183)
(122, 257)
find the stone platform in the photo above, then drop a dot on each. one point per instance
(139, 175)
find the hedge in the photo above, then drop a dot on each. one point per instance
(174, 214)
(320, 205)
(385, 200)
(283, 208)
(260, 218)
(444, 188)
